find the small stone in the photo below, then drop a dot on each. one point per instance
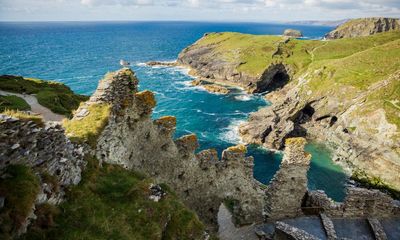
(15, 146)
(156, 192)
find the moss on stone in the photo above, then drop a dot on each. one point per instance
(88, 128)
(24, 116)
(166, 121)
(238, 148)
(20, 187)
(146, 97)
(373, 182)
(298, 141)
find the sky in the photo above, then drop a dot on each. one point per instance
(195, 10)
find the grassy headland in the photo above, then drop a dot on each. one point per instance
(53, 95)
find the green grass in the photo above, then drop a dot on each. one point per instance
(374, 183)
(113, 203)
(88, 128)
(23, 116)
(53, 95)
(13, 103)
(19, 188)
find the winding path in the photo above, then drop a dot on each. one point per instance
(46, 113)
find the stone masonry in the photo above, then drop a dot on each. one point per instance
(286, 191)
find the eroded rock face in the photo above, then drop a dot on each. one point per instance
(364, 27)
(208, 65)
(359, 141)
(202, 180)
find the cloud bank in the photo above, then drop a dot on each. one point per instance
(253, 10)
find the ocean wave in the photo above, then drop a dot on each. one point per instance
(231, 133)
(244, 98)
(141, 64)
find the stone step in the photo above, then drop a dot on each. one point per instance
(328, 227)
(377, 229)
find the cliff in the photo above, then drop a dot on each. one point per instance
(342, 92)
(364, 27)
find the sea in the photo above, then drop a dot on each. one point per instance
(80, 53)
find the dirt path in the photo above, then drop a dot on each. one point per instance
(46, 113)
(312, 52)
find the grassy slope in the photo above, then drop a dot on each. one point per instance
(352, 64)
(89, 128)
(55, 96)
(19, 189)
(13, 103)
(113, 203)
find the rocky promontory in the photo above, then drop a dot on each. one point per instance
(364, 27)
(339, 92)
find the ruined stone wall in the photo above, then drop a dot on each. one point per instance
(286, 191)
(359, 202)
(47, 151)
(202, 180)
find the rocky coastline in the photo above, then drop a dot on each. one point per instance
(356, 128)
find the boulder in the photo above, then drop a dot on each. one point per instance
(292, 33)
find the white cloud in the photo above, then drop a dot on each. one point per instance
(265, 10)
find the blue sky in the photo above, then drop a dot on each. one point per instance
(195, 10)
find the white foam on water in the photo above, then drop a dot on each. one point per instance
(244, 98)
(141, 64)
(231, 133)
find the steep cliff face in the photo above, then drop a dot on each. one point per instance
(230, 59)
(364, 27)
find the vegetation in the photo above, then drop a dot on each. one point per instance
(13, 103)
(374, 183)
(113, 203)
(352, 65)
(23, 116)
(53, 95)
(88, 128)
(19, 187)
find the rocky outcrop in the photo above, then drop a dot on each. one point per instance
(364, 27)
(358, 141)
(211, 87)
(292, 33)
(202, 180)
(158, 63)
(289, 183)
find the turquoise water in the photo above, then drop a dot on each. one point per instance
(80, 53)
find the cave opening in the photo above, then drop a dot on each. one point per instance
(279, 80)
(274, 78)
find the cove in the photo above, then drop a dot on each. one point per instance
(80, 53)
